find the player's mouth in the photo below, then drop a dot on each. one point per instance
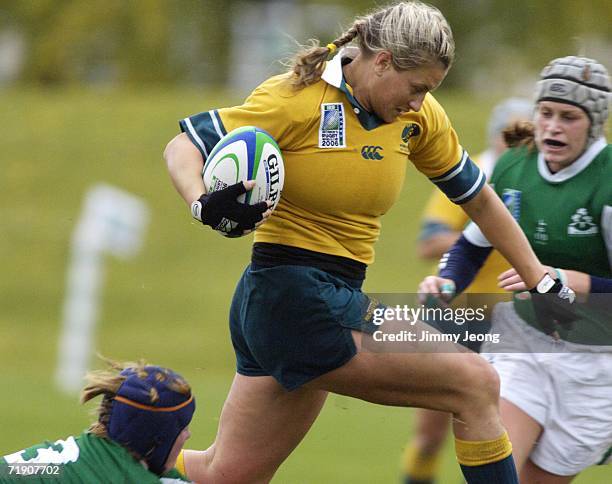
(554, 144)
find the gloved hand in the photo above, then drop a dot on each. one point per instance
(222, 211)
(552, 304)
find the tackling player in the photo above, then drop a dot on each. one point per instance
(141, 427)
(555, 367)
(299, 320)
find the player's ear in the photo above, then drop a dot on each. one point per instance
(383, 61)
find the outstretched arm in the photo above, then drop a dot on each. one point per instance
(580, 282)
(501, 230)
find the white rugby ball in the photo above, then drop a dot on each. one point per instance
(247, 153)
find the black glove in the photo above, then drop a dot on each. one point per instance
(552, 304)
(224, 213)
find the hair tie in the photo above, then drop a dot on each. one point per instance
(332, 47)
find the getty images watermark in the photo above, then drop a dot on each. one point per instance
(403, 322)
(431, 324)
(490, 323)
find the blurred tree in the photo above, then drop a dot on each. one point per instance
(120, 41)
(166, 41)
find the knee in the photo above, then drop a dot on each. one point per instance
(478, 383)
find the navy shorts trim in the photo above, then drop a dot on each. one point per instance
(294, 322)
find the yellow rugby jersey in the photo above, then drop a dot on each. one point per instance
(344, 167)
(441, 215)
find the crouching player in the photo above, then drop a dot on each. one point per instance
(141, 427)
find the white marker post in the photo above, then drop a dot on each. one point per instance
(112, 221)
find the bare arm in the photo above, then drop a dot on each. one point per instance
(502, 231)
(580, 282)
(185, 164)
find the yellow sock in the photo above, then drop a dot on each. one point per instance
(180, 463)
(477, 453)
(420, 466)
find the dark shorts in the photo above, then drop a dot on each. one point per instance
(294, 322)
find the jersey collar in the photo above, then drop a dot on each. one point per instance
(573, 169)
(332, 74)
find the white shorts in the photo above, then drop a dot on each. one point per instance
(569, 393)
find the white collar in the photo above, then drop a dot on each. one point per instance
(332, 74)
(576, 167)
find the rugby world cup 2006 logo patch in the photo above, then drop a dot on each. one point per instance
(332, 133)
(512, 200)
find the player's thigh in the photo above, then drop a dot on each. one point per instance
(261, 423)
(439, 377)
(531, 473)
(523, 431)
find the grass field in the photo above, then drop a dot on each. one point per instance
(169, 303)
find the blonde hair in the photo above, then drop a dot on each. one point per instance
(415, 33)
(107, 383)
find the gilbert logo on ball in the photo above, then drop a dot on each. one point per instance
(247, 153)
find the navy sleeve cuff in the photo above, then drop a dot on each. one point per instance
(462, 182)
(204, 130)
(462, 262)
(601, 285)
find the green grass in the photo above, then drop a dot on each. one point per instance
(164, 305)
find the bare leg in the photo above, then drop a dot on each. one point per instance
(261, 423)
(431, 430)
(523, 431)
(422, 455)
(532, 474)
(458, 382)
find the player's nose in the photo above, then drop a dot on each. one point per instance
(416, 103)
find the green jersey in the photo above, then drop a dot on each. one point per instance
(84, 459)
(567, 218)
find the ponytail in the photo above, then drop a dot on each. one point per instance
(520, 134)
(308, 64)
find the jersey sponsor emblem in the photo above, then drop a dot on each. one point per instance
(411, 130)
(512, 200)
(332, 129)
(582, 224)
(541, 235)
(372, 152)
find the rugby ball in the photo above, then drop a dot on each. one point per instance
(247, 153)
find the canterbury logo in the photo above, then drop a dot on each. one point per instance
(371, 152)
